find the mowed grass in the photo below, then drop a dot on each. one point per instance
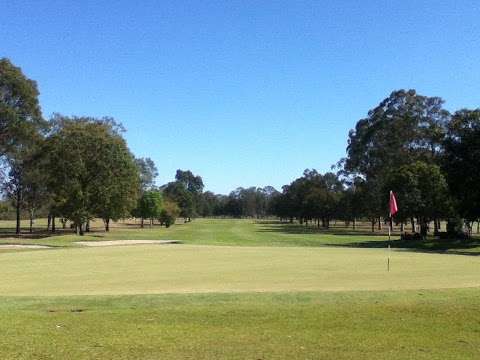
(151, 269)
(271, 291)
(238, 232)
(203, 231)
(420, 325)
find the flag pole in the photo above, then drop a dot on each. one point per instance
(389, 234)
(389, 228)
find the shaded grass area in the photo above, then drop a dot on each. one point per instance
(440, 324)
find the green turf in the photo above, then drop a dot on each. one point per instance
(150, 269)
(271, 291)
(420, 325)
(243, 233)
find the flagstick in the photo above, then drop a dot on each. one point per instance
(388, 258)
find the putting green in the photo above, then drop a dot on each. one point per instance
(150, 269)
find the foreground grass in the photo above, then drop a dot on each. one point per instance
(441, 324)
(153, 269)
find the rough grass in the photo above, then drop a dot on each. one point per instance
(349, 325)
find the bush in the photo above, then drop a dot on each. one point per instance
(169, 213)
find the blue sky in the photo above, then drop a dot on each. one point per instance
(241, 92)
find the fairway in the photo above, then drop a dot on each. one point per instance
(153, 269)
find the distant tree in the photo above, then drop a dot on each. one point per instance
(462, 162)
(148, 172)
(193, 183)
(150, 205)
(208, 204)
(169, 213)
(422, 191)
(351, 203)
(311, 197)
(177, 192)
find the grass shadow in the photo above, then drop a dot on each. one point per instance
(469, 247)
(455, 247)
(302, 229)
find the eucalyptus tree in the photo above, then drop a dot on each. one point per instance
(148, 172)
(404, 128)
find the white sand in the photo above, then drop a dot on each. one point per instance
(126, 242)
(19, 246)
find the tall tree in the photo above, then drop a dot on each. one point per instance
(92, 171)
(404, 128)
(462, 162)
(21, 124)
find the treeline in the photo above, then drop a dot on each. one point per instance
(76, 169)
(411, 145)
(79, 168)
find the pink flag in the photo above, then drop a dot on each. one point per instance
(393, 204)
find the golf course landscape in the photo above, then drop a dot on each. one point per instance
(241, 289)
(237, 180)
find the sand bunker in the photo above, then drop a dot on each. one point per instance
(126, 242)
(19, 246)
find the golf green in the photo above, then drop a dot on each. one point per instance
(155, 269)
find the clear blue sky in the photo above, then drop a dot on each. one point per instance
(241, 92)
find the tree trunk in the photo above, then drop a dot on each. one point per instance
(379, 223)
(423, 229)
(31, 221)
(107, 224)
(354, 223)
(435, 226)
(412, 220)
(373, 225)
(49, 222)
(80, 229)
(53, 224)
(19, 197)
(87, 226)
(142, 223)
(402, 227)
(64, 223)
